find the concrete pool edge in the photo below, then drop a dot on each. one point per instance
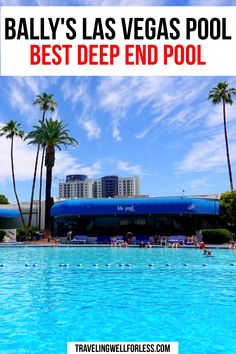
(20, 245)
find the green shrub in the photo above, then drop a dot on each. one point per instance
(33, 230)
(2, 234)
(20, 234)
(217, 236)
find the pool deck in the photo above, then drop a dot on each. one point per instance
(88, 245)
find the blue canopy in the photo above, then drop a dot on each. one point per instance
(9, 213)
(133, 206)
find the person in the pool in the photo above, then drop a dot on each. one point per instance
(142, 244)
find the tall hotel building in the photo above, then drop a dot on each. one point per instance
(80, 186)
(76, 186)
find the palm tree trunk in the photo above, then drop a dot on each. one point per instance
(40, 188)
(49, 163)
(227, 148)
(33, 187)
(14, 188)
(41, 180)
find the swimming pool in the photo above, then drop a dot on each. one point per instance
(117, 294)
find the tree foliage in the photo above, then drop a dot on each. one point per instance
(3, 199)
(222, 93)
(45, 102)
(228, 210)
(12, 130)
(51, 134)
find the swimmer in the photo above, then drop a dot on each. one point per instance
(124, 244)
(202, 245)
(175, 245)
(141, 245)
(148, 245)
(113, 241)
(128, 237)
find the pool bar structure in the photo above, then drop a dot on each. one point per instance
(141, 216)
(8, 214)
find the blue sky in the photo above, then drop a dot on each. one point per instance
(161, 128)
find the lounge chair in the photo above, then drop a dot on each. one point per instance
(103, 239)
(79, 239)
(181, 239)
(119, 239)
(141, 238)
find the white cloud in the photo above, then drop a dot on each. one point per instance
(141, 2)
(10, 2)
(122, 2)
(24, 158)
(85, 2)
(117, 95)
(112, 2)
(212, 3)
(91, 127)
(198, 184)
(215, 117)
(93, 170)
(125, 166)
(19, 101)
(33, 85)
(208, 154)
(74, 91)
(21, 93)
(143, 133)
(29, 83)
(168, 100)
(78, 93)
(66, 162)
(115, 129)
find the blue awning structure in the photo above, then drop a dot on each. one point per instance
(9, 213)
(133, 206)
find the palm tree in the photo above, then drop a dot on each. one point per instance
(51, 134)
(223, 93)
(34, 139)
(12, 130)
(45, 103)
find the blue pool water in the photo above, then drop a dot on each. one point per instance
(191, 300)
